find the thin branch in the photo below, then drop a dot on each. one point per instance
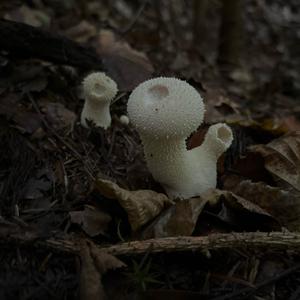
(273, 241)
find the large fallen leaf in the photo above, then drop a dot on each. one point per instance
(282, 159)
(141, 206)
(281, 204)
(81, 32)
(244, 214)
(179, 219)
(92, 221)
(128, 67)
(94, 264)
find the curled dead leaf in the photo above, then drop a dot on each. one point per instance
(242, 213)
(181, 219)
(94, 264)
(90, 279)
(281, 204)
(92, 221)
(178, 220)
(141, 205)
(81, 32)
(128, 67)
(282, 159)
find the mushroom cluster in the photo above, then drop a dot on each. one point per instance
(165, 111)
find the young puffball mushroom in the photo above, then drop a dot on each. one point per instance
(99, 90)
(124, 120)
(165, 111)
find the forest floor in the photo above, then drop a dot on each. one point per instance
(80, 214)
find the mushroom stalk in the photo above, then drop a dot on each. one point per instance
(196, 169)
(217, 140)
(166, 157)
(97, 112)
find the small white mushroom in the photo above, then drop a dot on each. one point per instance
(165, 111)
(99, 90)
(124, 120)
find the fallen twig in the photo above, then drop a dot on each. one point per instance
(248, 240)
(272, 240)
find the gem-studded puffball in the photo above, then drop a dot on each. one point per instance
(99, 90)
(165, 111)
(99, 86)
(165, 107)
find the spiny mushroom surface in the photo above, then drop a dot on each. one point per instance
(165, 111)
(99, 90)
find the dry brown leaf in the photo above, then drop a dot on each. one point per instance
(128, 67)
(105, 261)
(281, 204)
(91, 287)
(141, 206)
(279, 125)
(94, 264)
(59, 116)
(240, 203)
(92, 221)
(28, 15)
(282, 159)
(219, 108)
(179, 219)
(241, 212)
(290, 123)
(81, 32)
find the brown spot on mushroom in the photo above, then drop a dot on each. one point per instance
(158, 92)
(98, 88)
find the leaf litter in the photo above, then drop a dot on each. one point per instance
(258, 183)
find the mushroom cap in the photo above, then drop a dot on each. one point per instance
(165, 107)
(124, 120)
(99, 87)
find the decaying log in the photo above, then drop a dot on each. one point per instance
(24, 41)
(273, 241)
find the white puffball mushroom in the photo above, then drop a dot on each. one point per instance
(124, 120)
(165, 111)
(99, 90)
